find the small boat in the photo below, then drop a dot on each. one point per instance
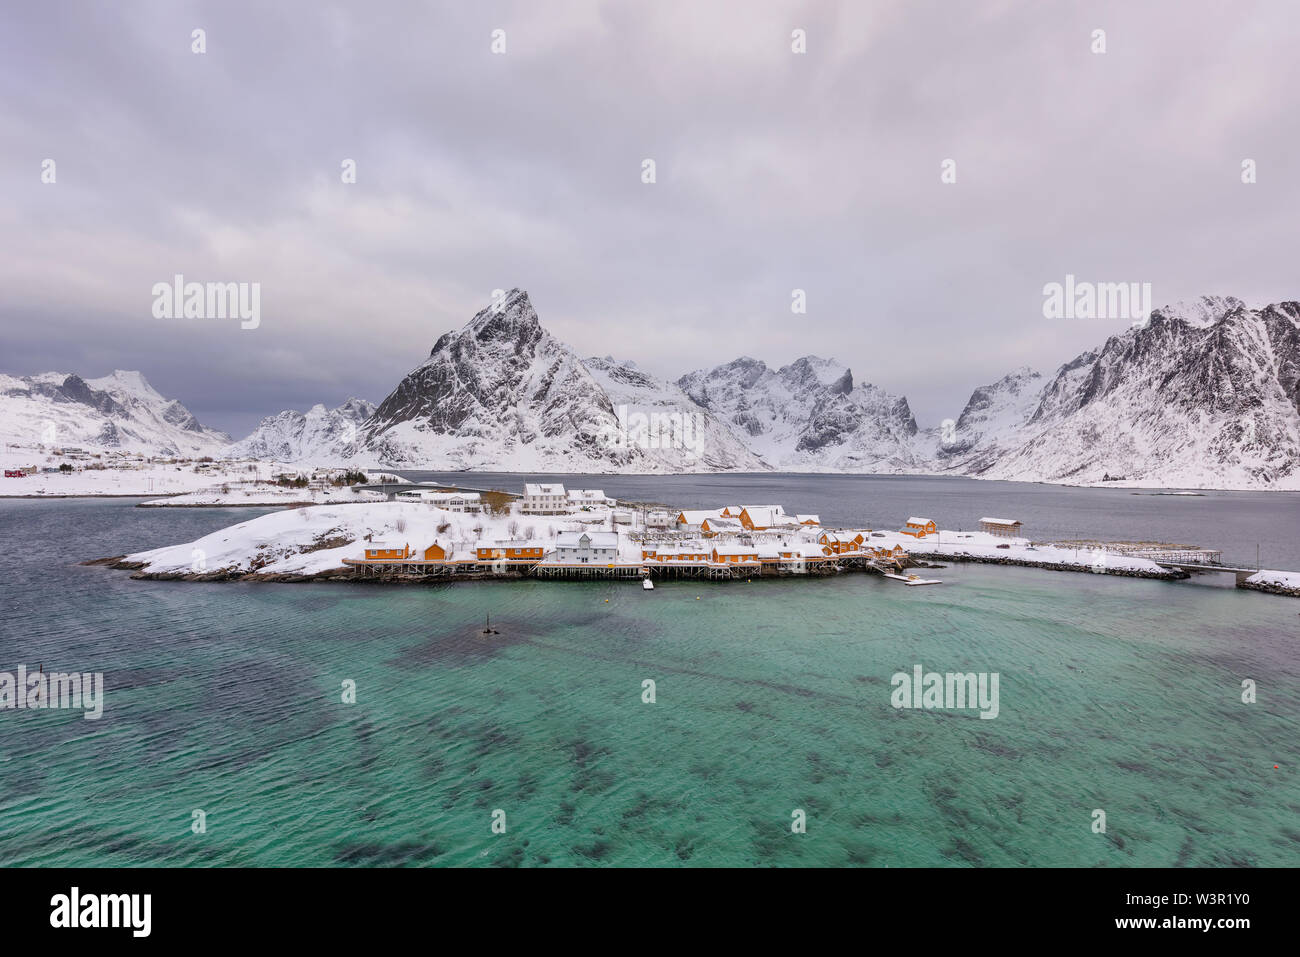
(647, 584)
(914, 579)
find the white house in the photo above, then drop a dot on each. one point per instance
(544, 499)
(467, 502)
(658, 518)
(588, 497)
(586, 547)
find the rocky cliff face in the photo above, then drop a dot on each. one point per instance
(1206, 395)
(504, 393)
(319, 435)
(808, 414)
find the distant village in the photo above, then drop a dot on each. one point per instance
(623, 541)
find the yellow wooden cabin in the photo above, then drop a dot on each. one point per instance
(711, 527)
(919, 527)
(838, 543)
(385, 551)
(732, 555)
(510, 551)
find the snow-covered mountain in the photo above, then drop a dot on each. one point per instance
(990, 425)
(681, 435)
(1204, 395)
(503, 393)
(118, 411)
(319, 435)
(808, 415)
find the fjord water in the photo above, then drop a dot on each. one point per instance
(1116, 694)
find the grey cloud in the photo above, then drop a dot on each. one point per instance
(775, 171)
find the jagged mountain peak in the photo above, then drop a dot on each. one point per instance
(508, 324)
(814, 370)
(319, 435)
(1202, 310)
(124, 382)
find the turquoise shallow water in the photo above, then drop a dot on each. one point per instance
(1116, 694)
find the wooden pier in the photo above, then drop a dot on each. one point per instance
(532, 568)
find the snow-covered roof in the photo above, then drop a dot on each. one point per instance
(716, 523)
(999, 521)
(385, 545)
(688, 548)
(534, 488)
(733, 549)
(587, 493)
(810, 519)
(768, 515)
(595, 539)
(696, 516)
(918, 521)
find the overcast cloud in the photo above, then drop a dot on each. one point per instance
(775, 171)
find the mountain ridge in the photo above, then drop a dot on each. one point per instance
(1205, 393)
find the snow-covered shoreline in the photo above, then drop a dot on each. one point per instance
(264, 494)
(328, 542)
(1274, 582)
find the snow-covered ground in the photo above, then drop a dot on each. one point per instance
(118, 477)
(1275, 581)
(982, 545)
(263, 493)
(222, 482)
(314, 539)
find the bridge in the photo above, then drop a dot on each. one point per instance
(1190, 559)
(1194, 567)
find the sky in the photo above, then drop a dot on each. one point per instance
(774, 171)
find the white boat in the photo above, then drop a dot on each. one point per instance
(647, 584)
(914, 579)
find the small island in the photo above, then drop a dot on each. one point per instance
(439, 534)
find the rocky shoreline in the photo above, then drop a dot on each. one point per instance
(1169, 575)
(1271, 588)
